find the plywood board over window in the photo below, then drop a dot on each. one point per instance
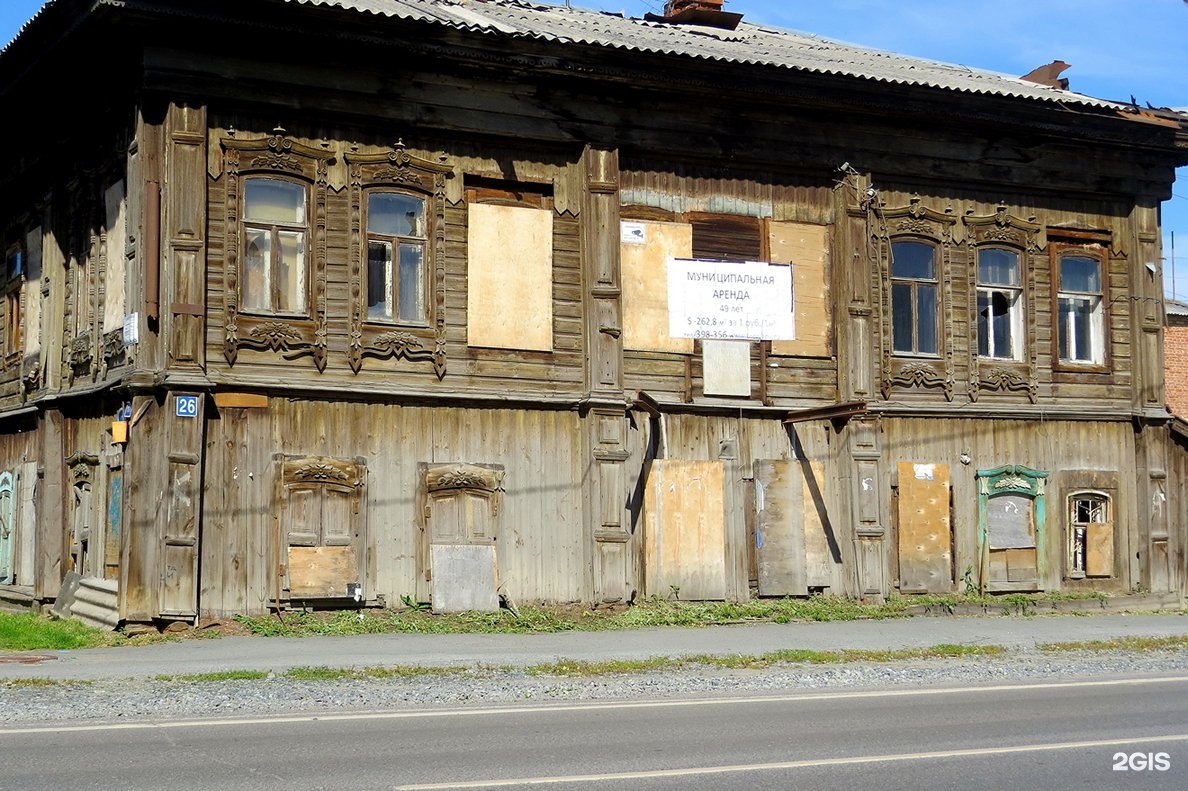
(685, 524)
(805, 247)
(925, 544)
(117, 229)
(646, 248)
(510, 274)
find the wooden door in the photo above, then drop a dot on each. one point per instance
(7, 528)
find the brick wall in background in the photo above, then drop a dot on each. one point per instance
(1175, 364)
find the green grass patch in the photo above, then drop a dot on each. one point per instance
(651, 612)
(42, 682)
(761, 661)
(218, 675)
(1140, 644)
(30, 632)
(365, 673)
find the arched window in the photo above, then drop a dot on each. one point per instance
(1090, 535)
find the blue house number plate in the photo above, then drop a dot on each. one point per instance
(186, 405)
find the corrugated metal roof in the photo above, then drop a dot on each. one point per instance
(748, 44)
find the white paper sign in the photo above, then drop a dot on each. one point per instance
(131, 329)
(633, 233)
(729, 300)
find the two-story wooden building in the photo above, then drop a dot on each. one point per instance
(318, 302)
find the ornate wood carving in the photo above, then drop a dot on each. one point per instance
(81, 356)
(397, 168)
(1004, 380)
(82, 467)
(114, 352)
(916, 374)
(323, 469)
(463, 476)
(915, 222)
(1005, 229)
(293, 337)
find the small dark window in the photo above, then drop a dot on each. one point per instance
(914, 313)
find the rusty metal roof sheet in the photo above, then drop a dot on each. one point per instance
(748, 44)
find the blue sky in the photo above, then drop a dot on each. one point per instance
(1117, 48)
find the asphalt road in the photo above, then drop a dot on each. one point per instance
(1051, 736)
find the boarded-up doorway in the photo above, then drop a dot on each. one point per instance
(461, 504)
(792, 552)
(685, 530)
(925, 529)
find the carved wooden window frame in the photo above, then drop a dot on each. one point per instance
(396, 170)
(281, 157)
(1007, 231)
(15, 269)
(347, 477)
(1057, 251)
(915, 223)
(915, 284)
(1076, 533)
(1019, 480)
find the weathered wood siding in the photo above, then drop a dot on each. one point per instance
(540, 544)
(1078, 455)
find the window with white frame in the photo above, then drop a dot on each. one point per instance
(397, 240)
(275, 241)
(1090, 535)
(1080, 309)
(914, 313)
(1000, 304)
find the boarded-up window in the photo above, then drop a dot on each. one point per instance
(685, 529)
(1011, 505)
(322, 525)
(32, 292)
(805, 247)
(726, 237)
(113, 291)
(1090, 533)
(646, 249)
(509, 298)
(461, 506)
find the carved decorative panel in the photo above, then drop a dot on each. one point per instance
(398, 170)
(291, 336)
(1003, 229)
(915, 222)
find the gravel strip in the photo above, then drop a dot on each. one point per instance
(125, 700)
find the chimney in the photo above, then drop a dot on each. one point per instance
(696, 12)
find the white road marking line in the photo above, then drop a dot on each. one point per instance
(587, 706)
(784, 765)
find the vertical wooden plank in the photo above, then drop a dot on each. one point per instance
(1099, 549)
(925, 550)
(685, 525)
(780, 530)
(184, 233)
(818, 557)
(51, 539)
(27, 521)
